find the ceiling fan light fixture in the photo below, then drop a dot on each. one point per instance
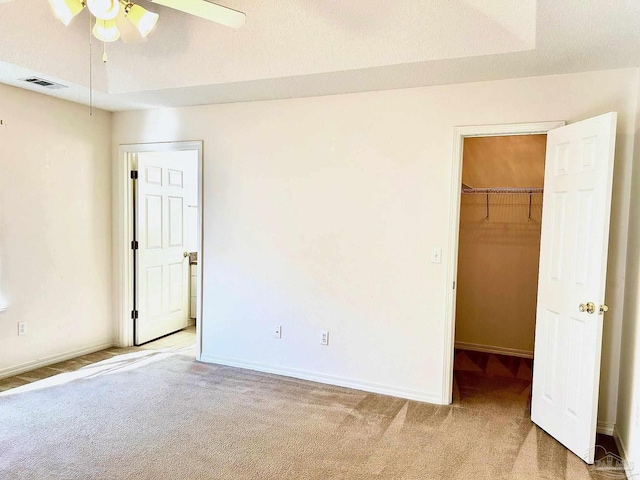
(106, 30)
(65, 10)
(141, 18)
(104, 9)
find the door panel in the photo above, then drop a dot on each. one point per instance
(551, 342)
(176, 287)
(556, 263)
(176, 221)
(162, 286)
(573, 262)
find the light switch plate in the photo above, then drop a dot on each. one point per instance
(436, 255)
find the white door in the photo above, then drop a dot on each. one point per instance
(573, 267)
(162, 273)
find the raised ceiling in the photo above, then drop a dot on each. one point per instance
(296, 48)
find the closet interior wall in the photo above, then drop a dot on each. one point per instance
(499, 244)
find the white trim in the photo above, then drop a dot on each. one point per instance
(46, 361)
(122, 235)
(514, 352)
(459, 134)
(606, 428)
(408, 394)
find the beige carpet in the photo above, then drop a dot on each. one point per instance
(179, 419)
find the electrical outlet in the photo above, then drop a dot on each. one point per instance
(277, 331)
(324, 337)
(22, 328)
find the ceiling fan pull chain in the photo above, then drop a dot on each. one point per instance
(104, 52)
(90, 72)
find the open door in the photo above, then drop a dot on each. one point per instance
(571, 285)
(162, 270)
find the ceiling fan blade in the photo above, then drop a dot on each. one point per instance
(128, 32)
(208, 11)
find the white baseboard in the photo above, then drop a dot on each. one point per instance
(606, 428)
(327, 379)
(620, 444)
(491, 349)
(622, 449)
(43, 362)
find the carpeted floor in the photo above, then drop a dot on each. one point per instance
(182, 339)
(178, 419)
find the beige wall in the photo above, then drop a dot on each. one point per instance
(498, 273)
(321, 214)
(628, 421)
(505, 161)
(55, 230)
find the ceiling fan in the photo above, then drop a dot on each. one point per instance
(110, 15)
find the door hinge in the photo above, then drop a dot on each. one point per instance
(134, 245)
(454, 285)
(134, 314)
(134, 174)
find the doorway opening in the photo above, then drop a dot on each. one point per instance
(497, 269)
(165, 247)
(161, 245)
(499, 251)
(495, 237)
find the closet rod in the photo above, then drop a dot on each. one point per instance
(501, 190)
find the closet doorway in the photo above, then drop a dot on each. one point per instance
(500, 173)
(571, 245)
(499, 233)
(499, 249)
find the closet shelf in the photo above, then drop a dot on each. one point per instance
(501, 190)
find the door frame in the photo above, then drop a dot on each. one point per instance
(123, 233)
(459, 134)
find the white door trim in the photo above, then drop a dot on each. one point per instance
(459, 134)
(123, 234)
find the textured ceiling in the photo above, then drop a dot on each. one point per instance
(294, 48)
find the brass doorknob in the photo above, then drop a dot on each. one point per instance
(588, 307)
(603, 309)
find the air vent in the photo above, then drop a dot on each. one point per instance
(43, 83)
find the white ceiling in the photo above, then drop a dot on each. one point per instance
(297, 48)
